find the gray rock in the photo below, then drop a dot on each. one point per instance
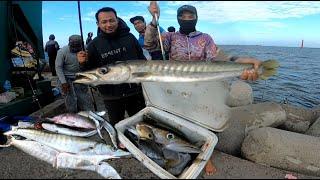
(295, 126)
(283, 149)
(299, 113)
(314, 130)
(298, 118)
(240, 94)
(246, 118)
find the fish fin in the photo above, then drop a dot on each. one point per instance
(270, 64)
(269, 68)
(141, 74)
(107, 171)
(266, 73)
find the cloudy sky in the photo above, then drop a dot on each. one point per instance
(268, 23)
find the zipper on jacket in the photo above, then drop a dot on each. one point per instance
(188, 48)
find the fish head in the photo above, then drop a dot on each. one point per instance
(145, 132)
(114, 74)
(175, 143)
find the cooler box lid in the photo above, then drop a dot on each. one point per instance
(203, 103)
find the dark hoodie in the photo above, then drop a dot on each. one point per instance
(107, 49)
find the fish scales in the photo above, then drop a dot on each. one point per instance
(57, 141)
(171, 71)
(37, 150)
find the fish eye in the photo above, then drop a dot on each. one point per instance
(150, 136)
(103, 70)
(170, 136)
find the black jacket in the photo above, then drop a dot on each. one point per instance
(107, 49)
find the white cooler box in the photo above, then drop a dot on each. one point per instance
(192, 108)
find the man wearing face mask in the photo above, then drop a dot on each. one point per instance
(113, 43)
(188, 44)
(76, 95)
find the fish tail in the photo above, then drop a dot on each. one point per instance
(269, 68)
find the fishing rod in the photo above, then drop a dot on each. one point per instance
(160, 39)
(82, 47)
(158, 27)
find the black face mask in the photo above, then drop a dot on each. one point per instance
(187, 26)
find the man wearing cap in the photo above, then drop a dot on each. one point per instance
(140, 25)
(188, 44)
(76, 96)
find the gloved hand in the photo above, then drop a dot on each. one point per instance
(65, 88)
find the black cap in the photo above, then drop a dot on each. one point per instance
(136, 18)
(75, 40)
(186, 8)
(52, 37)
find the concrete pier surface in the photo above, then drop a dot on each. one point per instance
(15, 164)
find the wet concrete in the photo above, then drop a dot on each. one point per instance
(15, 164)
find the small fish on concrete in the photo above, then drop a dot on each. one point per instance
(73, 120)
(67, 131)
(70, 144)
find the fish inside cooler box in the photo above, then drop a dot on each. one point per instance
(194, 134)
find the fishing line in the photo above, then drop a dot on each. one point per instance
(83, 49)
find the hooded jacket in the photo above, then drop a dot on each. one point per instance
(196, 46)
(105, 49)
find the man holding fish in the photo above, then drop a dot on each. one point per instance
(114, 43)
(193, 57)
(192, 45)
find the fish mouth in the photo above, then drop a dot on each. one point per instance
(85, 78)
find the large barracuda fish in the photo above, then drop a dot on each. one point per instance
(170, 71)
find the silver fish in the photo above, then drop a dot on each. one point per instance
(73, 120)
(35, 149)
(167, 139)
(108, 127)
(68, 144)
(170, 71)
(91, 163)
(86, 113)
(67, 131)
(66, 160)
(107, 171)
